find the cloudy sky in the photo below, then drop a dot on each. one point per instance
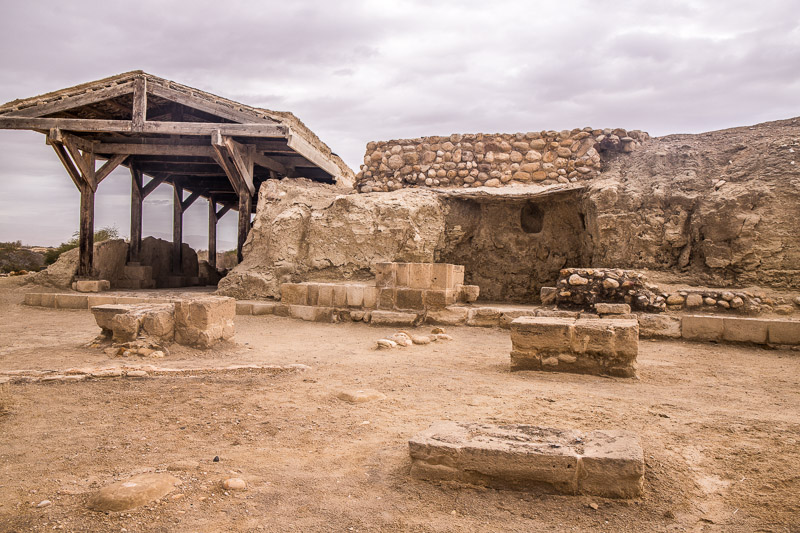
(356, 71)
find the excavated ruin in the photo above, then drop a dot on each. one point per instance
(714, 209)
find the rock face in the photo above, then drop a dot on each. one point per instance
(715, 209)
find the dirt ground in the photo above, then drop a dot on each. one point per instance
(719, 424)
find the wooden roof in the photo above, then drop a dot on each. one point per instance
(178, 134)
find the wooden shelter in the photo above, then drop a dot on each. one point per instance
(202, 144)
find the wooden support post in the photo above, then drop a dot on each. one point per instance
(86, 233)
(139, 112)
(212, 232)
(177, 229)
(136, 214)
(245, 205)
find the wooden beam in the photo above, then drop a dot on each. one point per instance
(139, 114)
(136, 213)
(62, 154)
(214, 108)
(126, 126)
(245, 208)
(212, 232)
(70, 102)
(108, 167)
(269, 163)
(80, 160)
(86, 233)
(151, 186)
(177, 229)
(224, 209)
(243, 162)
(310, 152)
(190, 200)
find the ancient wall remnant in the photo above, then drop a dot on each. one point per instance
(473, 160)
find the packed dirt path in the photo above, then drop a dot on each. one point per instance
(719, 426)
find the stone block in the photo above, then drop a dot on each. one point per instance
(392, 318)
(419, 275)
(593, 336)
(244, 308)
(612, 465)
(409, 298)
(312, 294)
(204, 321)
(311, 313)
(264, 308)
(370, 297)
(442, 276)
(449, 316)
(612, 309)
(549, 335)
(125, 326)
(659, 325)
(92, 285)
(702, 328)
(340, 296)
(324, 294)
(386, 298)
(468, 293)
(525, 457)
(72, 301)
(294, 293)
(280, 309)
(745, 330)
(458, 275)
(360, 396)
(49, 300)
(485, 317)
(385, 274)
(159, 322)
(32, 298)
(175, 282)
(548, 295)
(355, 295)
(104, 314)
(784, 332)
(557, 313)
(402, 274)
(510, 315)
(137, 272)
(439, 298)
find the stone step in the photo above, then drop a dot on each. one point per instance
(442, 276)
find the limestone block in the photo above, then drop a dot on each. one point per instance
(386, 298)
(745, 330)
(612, 465)
(355, 295)
(72, 301)
(485, 317)
(410, 298)
(385, 274)
(294, 293)
(402, 274)
(449, 316)
(659, 325)
(159, 322)
(469, 293)
(702, 328)
(392, 318)
(32, 298)
(324, 295)
(264, 308)
(312, 294)
(442, 276)
(312, 313)
(419, 275)
(204, 321)
(137, 272)
(244, 308)
(439, 298)
(593, 336)
(612, 309)
(549, 335)
(510, 315)
(548, 295)
(524, 457)
(125, 326)
(92, 285)
(370, 297)
(101, 300)
(49, 300)
(458, 275)
(104, 314)
(340, 296)
(557, 313)
(784, 332)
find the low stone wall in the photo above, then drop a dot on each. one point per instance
(584, 346)
(492, 160)
(584, 287)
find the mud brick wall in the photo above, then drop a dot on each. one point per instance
(583, 287)
(493, 160)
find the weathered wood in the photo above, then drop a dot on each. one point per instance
(86, 233)
(214, 108)
(310, 152)
(241, 157)
(108, 167)
(73, 172)
(136, 213)
(270, 163)
(71, 102)
(152, 184)
(139, 115)
(245, 206)
(212, 232)
(224, 209)
(177, 229)
(80, 160)
(126, 126)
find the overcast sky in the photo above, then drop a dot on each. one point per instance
(356, 71)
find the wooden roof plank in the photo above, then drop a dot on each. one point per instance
(71, 102)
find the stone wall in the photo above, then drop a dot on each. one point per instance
(584, 287)
(473, 160)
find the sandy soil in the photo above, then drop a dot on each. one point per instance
(719, 424)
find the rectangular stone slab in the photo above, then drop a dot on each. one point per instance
(525, 457)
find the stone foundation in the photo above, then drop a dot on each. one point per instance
(584, 287)
(584, 345)
(493, 160)
(600, 463)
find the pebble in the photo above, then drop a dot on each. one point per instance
(386, 343)
(675, 299)
(44, 503)
(234, 483)
(575, 279)
(694, 300)
(360, 396)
